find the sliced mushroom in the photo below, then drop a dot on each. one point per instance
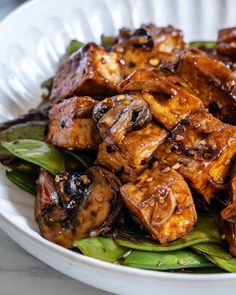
(118, 115)
(81, 204)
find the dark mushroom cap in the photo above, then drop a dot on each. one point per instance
(118, 115)
(88, 203)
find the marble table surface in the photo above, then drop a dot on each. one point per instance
(22, 274)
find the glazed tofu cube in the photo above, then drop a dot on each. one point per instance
(169, 103)
(131, 156)
(213, 83)
(70, 124)
(165, 39)
(200, 148)
(226, 42)
(89, 71)
(161, 201)
(148, 46)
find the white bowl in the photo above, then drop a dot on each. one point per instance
(32, 40)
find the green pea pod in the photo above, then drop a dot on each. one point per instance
(29, 130)
(179, 259)
(218, 255)
(205, 231)
(24, 167)
(100, 248)
(37, 152)
(72, 47)
(107, 41)
(22, 180)
(212, 249)
(85, 160)
(206, 44)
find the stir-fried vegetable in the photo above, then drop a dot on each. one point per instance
(107, 41)
(178, 259)
(85, 160)
(218, 255)
(72, 47)
(206, 44)
(205, 231)
(101, 248)
(29, 130)
(25, 181)
(37, 152)
(24, 167)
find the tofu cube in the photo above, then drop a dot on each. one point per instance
(70, 124)
(200, 148)
(129, 158)
(161, 201)
(169, 103)
(213, 83)
(89, 71)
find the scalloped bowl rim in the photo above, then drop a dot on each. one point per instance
(91, 261)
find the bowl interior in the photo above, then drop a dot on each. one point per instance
(33, 38)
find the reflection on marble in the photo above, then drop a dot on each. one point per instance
(22, 274)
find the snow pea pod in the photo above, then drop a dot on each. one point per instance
(206, 44)
(218, 255)
(205, 231)
(37, 152)
(24, 167)
(24, 181)
(105, 249)
(107, 41)
(29, 130)
(179, 259)
(85, 160)
(72, 47)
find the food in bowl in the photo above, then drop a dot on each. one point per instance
(131, 153)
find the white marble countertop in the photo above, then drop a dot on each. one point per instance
(22, 274)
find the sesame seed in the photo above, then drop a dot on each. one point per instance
(166, 169)
(181, 261)
(120, 98)
(154, 62)
(179, 137)
(179, 211)
(149, 179)
(173, 91)
(152, 203)
(207, 155)
(178, 152)
(57, 178)
(161, 200)
(99, 198)
(176, 166)
(155, 164)
(126, 103)
(197, 125)
(227, 162)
